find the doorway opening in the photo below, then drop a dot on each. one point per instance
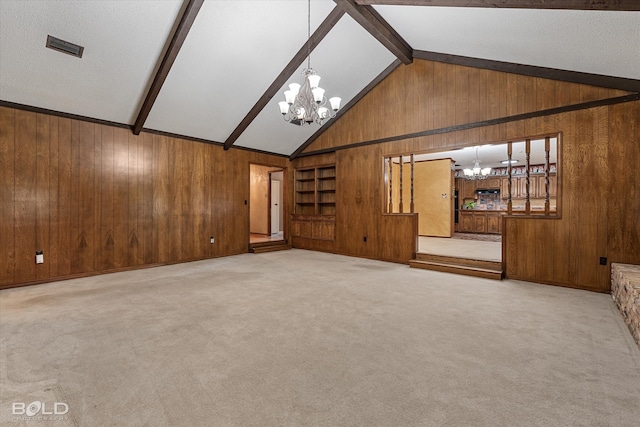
(266, 204)
(462, 195)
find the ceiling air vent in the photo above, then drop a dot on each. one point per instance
(64, 47)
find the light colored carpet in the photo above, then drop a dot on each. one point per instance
(472, 249)
(300, 338)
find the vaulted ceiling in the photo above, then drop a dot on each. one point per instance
(228, 62)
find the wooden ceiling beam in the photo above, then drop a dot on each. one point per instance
(371, 21)
(184, 25)
(330, 21)
(614, 5)
(622, 83)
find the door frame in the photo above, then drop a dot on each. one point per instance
(269, 230)
(283, 190)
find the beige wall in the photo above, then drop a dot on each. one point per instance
(431, 179)
(259, 202)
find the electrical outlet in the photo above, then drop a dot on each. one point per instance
(39, 257)
(211, 239)
(603, 260)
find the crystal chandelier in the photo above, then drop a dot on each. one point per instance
(476, 172)
(306, 103)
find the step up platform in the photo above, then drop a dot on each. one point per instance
(464, 266)
(262, 247)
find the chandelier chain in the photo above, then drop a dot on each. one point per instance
(308, 33)
(305, 103)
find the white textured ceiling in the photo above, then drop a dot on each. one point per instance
(236, 49)
(490, 155)
(598, 42)
(122, 39)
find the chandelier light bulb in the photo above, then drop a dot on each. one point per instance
(318, 94)
(314, 80)
(284, 107)
(295, 88)
(335, 103)
(322, 112)
(289, 96)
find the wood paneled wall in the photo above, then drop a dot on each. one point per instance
(359, 193)
(428, 95)
(96, 198)
(600, 158)
(359, 205)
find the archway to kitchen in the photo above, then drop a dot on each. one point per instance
(462, 195)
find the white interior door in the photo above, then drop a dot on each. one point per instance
(275, 207)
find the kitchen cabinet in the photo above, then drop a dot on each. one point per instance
(468, 189)
(466, 222)
(494, 222)
(480, 222)
(553, 183)
(492, 183)
(487, 222)
(536, 187)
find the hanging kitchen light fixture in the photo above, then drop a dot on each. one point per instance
(476, 172)
(306, 103)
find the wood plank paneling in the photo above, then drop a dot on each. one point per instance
(25, 195)
(391, 107)
(133, 240)
(64, 198)
(107, 199)
(87, 194)
(7, 196)
(97, 199)
(148, 219)
(43, 138)
(53, 180)
(120, 197)
(624, 202)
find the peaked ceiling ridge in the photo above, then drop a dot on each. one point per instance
(602, 5)
(379, 28)
(318, 35)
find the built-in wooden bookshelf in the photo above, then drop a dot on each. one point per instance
(315, 190)
(314, 220)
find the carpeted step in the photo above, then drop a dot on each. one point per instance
(270, 248)
(446, 267)
(469, 262)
